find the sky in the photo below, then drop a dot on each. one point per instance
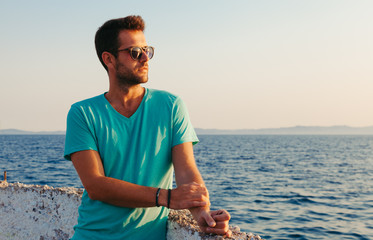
(240, 64)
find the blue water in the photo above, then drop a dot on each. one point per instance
(280, 187)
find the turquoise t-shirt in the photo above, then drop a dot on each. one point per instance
(135, 149)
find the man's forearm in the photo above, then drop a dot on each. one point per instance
(110, 190)
(125, 194)
(186, 170)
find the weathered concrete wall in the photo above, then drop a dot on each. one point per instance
(45, 213)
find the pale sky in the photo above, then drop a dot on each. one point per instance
(237, 64)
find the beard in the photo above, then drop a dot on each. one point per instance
(128, 78)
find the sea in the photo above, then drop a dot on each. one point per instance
(275, 186)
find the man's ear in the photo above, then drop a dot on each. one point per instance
(108, 59)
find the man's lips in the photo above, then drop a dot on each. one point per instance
(143, 69)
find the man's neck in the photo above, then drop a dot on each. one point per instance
(126, 100)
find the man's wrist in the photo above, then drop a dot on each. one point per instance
(162, 199)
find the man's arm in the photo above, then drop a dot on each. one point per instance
(89, 166)
(186, 171)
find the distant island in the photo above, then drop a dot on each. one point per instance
(297, 130)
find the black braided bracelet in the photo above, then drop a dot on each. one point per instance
(156, 197)
(169, 198)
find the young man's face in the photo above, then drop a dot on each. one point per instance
(128, 70)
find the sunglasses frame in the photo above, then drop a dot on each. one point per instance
(143, 50)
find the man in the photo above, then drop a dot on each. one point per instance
(125, 143)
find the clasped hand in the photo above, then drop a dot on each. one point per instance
(216, 222)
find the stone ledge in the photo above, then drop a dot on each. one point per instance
(45, 213)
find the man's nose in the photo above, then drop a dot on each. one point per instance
(144, 57)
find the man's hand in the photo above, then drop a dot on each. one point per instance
(216, 222)
(189, 196)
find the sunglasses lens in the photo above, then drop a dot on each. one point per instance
(136, 53)
(149, 52)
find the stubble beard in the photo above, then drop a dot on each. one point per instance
(129, 78)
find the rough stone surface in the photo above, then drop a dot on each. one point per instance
(36, 212)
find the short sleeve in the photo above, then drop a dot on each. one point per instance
(182, 129)
(79, 133)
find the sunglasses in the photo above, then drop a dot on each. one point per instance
(136, 52)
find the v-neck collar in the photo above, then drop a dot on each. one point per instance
(122, 116)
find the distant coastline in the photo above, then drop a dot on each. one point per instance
(22, 132)
(297, 130)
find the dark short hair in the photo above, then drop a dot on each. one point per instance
(106, 39)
